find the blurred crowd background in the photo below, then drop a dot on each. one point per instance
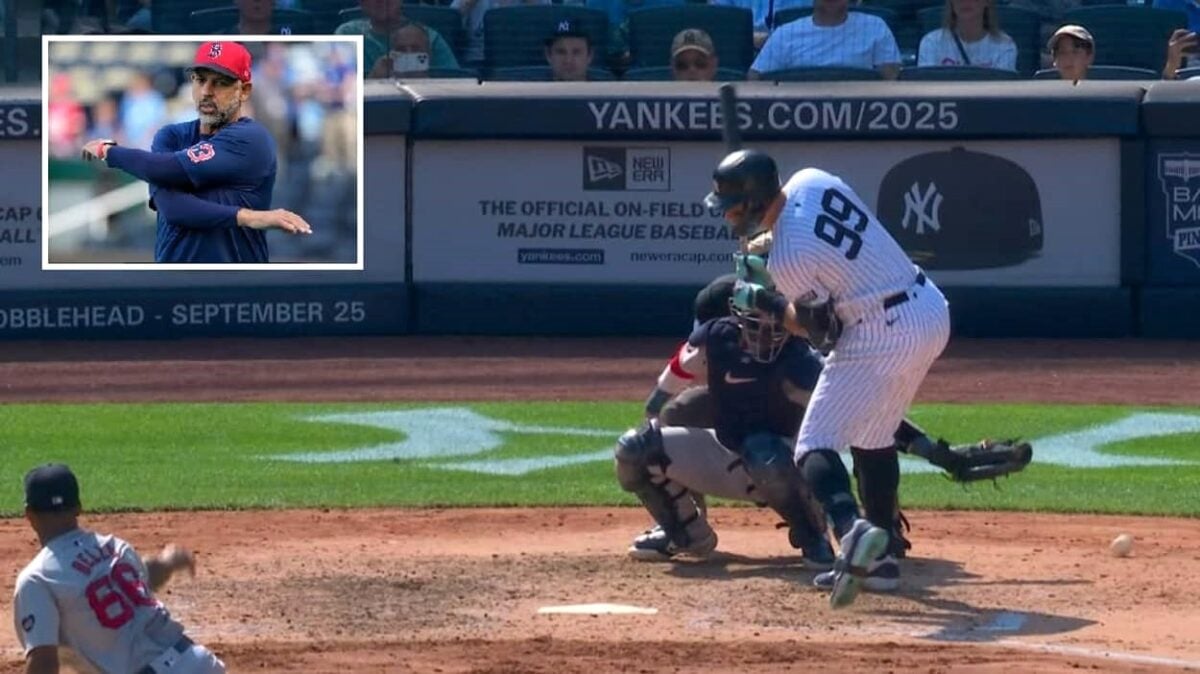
(305, 93)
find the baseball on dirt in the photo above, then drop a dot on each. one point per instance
(1122, 545)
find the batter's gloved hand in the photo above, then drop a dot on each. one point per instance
(984, 460)
(757, 297)
(753, 269)
(97, 149)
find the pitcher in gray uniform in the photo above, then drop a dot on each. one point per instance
(92, 593)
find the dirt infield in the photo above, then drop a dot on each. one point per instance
(459, 590)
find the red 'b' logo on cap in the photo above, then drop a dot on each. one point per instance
(215, 50)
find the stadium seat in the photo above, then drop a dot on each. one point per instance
(1024, 26)
(652, 29)
(206, 21)
(957, 73)
(823, 74)
(447, 22)
(516, 35)
(1187, 73)
(1105, 73)
(1129, 36)
(172, 17)
(540, 74)
(665, 74)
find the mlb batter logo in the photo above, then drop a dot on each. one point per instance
(633, 169)
(1179, 175)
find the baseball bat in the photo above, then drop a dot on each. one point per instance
(730, 132)
(732, 136)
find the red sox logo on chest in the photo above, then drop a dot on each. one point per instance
(201, 152)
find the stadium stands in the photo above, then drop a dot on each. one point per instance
(665, 74)
(516, 35)
(1129, 36)
(651, 31)
(1024, 26)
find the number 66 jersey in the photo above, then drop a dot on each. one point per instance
(91, 592)
(829, 247)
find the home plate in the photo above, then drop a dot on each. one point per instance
(599, 609)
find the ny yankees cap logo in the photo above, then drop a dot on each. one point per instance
(564, 25)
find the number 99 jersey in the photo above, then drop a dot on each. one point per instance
(91, 593)
(828, 245)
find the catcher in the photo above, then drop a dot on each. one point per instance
(756, 380)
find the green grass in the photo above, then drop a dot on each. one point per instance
(186, 456)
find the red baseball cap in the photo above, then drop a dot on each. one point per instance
(227, 58)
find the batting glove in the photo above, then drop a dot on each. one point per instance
(97, 149)
(756, 297)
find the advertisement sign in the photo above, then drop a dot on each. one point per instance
(986, 213)
(20, 213)
(1173, 223)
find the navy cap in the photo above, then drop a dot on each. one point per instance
(568, 28)
(51, 487)
(962, 209)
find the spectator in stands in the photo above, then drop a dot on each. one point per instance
(143, 110)
(1183, 45)
(254, 18)
(1073, 49)
(135, 14)
(618, 23)
(409, 56)
(764, 12)
(569, 52)
(970, 36)
(472, 12)
(65, 114)
(832, 36)
(693, 56)
(381, 18)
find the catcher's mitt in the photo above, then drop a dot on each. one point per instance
(984, 460)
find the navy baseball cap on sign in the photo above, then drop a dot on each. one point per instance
(227, 58)
(960, 209)
(51, 487)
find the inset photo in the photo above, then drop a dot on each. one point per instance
(193, 153)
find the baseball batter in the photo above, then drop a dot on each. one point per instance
(733, 393)
(844, 281)
(92, 593)
(210, 179)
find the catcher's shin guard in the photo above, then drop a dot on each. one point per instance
(878, 475)
(767, 459)
(641, 464)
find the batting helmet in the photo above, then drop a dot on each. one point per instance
(747, 177)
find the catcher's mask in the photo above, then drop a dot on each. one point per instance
(747, 178)
(762, 336)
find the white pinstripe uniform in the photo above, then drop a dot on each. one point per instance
(828, 245)
(91, 593)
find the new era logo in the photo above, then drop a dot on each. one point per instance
(635, 169)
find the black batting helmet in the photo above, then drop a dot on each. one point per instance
(745, 176)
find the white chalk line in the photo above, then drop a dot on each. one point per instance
(1013, 621)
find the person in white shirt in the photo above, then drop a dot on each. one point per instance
(764, 12)
(970, 36)
(92, 593)
(832, 36)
